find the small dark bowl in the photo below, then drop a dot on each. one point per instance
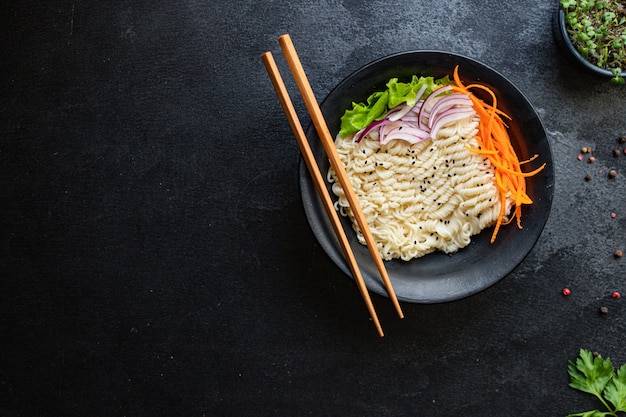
(438, 277)
(565, 43)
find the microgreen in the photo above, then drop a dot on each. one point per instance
(597, 29)
(594, 375)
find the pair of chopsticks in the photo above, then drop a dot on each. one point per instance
(327, 141)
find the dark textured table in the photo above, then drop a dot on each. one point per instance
(155, 258)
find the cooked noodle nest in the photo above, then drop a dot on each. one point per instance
(432, 195)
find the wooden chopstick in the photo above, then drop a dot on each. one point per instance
(329, 146)
(318, 180)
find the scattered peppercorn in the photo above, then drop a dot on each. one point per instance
(622, 139)
(585, 149)
(604, 310)
(566, 291)
(613, 215)
(580, 155)
(616, 294)
(616, 152)
(591, 159)
(596, 354)
(588, 177)
(618, 253)
(612, 173)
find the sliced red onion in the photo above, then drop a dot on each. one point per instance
(405, 133)
(448, 117)
(420, 93)
(363, 132)
(430, 100)
(411, 117)
(446, 103)
(421, 121)
(398, 112)
(384, 130)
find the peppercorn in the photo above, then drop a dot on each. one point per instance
(588, 177)
(604, 310)
(585, 149)
(616, 294)
(616, 152)
(622, 139)
(618, 253)
(612, 173)
(566, 291)
(591, 159)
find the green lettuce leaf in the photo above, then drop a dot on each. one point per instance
(362, 114)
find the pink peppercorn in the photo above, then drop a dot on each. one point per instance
(580, 155)
(613, 215)
(566, 291)
(616, 294)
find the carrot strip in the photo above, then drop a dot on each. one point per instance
(495, 144)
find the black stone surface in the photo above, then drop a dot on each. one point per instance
(155, 259)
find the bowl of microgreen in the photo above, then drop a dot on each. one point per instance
(592, 33)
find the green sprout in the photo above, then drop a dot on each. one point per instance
(597, 29)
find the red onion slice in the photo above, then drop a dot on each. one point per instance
(406, 133)
(446, 103)
(363, 132)
(450, 116)
(429, 101)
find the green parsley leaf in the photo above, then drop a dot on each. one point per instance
(594, 413)
(615, 391)
(590, 374)
(596, 376)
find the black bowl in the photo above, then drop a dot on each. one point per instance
(565, 44)
(438, 277)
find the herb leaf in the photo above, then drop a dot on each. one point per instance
(596, 376)
(590, 374)
(615, 391)
(594, 413)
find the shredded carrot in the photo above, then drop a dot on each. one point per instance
(495, 144)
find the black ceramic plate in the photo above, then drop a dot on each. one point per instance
(439, 277)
